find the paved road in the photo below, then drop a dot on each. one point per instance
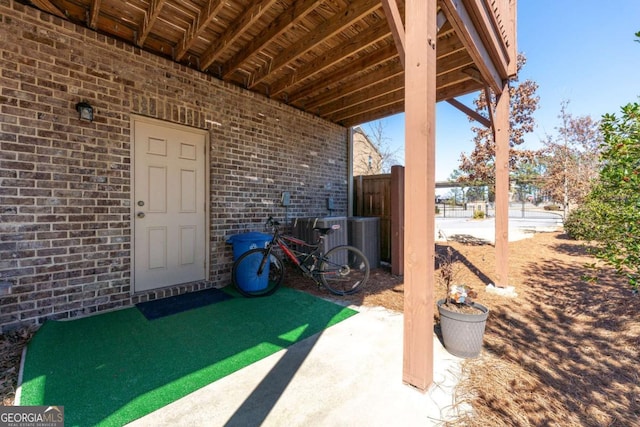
(484, 229)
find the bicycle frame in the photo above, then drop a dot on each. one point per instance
(343, 269)
(294, 255)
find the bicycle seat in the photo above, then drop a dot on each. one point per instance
(326, 230)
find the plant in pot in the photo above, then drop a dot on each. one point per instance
(462, 320)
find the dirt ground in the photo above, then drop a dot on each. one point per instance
(563, 352)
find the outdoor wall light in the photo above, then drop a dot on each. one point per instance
(85, 110)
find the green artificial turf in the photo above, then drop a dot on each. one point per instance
(116, 367)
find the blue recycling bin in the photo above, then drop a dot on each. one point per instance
(246, 276)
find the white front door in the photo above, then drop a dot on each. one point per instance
(169, 204)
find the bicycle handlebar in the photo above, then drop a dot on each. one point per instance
(272, 222)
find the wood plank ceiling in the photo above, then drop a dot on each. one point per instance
(332, 58)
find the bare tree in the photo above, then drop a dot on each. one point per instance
(389, 156)
(571, 158)
(479, 166)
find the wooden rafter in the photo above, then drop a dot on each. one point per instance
(47, 6)
(283, 23)
(94, 12)
(363, 95)
(338, 64)
(493, 36)
(374, 59)
(461, 21)
(395, 25)
(355, 10)
(446, 76)
(150, 16)
(381, 101)
(354, 85)
(360, 42)
(384, 111)
(250, 16)
(197, 27)
(449, 46)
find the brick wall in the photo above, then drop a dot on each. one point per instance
(65, 184)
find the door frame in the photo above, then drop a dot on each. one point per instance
(207, 196)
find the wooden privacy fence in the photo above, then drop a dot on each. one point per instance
(382, 196)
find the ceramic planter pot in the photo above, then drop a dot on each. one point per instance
(463, 333)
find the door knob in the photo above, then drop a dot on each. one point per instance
(140, 214)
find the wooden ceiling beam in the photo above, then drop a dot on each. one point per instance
(461, 21)
(354, 85)
(364, 95)
(150, 16)
(250, 16)
(492, 36)
(457, 61)
(347, 72)
(278, 27)
(448, 46)
(458, 89)
(341, 97)
(374, 111)
(374, 104)
(341, 20)
(369, 37)
(197, 27)
(373, 114)
(445, 71)
(94, 13)
(49, 7)
(396, 26)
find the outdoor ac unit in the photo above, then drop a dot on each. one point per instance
(364, 234)
(303, 229)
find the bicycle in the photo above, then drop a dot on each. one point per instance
(342, 270)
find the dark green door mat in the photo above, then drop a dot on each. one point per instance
(177, 304)
(116, 367)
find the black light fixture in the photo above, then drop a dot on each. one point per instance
(85, 110)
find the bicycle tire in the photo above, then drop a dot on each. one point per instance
(248, 282)
(344, 270)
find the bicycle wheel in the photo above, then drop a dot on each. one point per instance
(250, 281)
(344, 270)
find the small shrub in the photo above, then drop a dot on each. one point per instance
(478, 214)
(552, 208)
(580, 223)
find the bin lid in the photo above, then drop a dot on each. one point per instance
(248, 237)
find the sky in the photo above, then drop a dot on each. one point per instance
(580, 51)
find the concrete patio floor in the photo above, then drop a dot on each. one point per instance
(348, 375)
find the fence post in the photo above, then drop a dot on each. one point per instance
(397, 220)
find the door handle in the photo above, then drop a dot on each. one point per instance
(140, 214)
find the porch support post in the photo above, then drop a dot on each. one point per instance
(501, 135)
(420, 106)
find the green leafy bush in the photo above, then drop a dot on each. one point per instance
(611, 214)
(584, 222)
